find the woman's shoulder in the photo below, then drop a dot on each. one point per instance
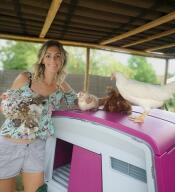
(21, 80)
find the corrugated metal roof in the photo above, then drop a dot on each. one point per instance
(115, 23)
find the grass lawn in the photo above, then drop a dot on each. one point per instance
(19, 185)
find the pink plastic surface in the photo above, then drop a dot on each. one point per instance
(85, 174)
(165, 170)
(157, 132)
(63, 153)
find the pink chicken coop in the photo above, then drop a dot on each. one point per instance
(106, 152)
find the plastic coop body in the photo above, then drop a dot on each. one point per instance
(106, 152)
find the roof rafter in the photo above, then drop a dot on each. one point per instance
(50, 17)
(152, 37)
(90, 45)
(159, 21)
(160, 47)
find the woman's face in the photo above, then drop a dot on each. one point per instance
(52, 59)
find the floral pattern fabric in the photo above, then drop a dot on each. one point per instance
(41, 126)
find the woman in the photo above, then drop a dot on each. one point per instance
(21, 147)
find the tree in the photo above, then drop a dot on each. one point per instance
(76, 60)
(18, 55)
(142, 70)
(103, 63)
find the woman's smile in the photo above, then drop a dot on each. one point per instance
(52, 59)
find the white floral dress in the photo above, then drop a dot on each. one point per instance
(42, 127)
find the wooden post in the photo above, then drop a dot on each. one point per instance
(166, 71)
(86, 79)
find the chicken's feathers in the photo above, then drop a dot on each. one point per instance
(143, 90)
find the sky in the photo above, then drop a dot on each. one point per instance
(158, 64)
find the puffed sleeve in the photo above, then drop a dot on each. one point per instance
(67, 100)
(9, 102)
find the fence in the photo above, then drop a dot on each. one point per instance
(97, 84)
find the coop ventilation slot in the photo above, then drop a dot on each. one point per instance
(129, 169)
(61, 175)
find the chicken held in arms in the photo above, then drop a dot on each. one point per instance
(143, 94)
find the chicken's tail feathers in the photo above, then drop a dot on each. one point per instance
(113, 76)
(170, 87)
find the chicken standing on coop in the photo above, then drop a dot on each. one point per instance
(143, 94)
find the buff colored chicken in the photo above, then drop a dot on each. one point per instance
(143, 94)
(87, 101)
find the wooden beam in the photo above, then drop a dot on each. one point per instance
(22, 38)
(116, 49)
(50, 17)
(152, 37)
(90, 45)
(157, 22)
(160, 47)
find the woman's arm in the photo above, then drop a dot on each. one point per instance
(73, 101)
(68, 99)
(20, 80)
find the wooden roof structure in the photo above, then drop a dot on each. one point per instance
(142, 27)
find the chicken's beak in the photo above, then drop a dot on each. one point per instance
(80, 94)
(113, 76)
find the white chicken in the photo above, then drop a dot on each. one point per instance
(143, 94)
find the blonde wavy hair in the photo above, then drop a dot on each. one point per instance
(39, 67)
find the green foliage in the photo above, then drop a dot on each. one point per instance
(170, 104)
(18, 55)
(142, 70)
(19, 184)
(76, 60)
(103, 63)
